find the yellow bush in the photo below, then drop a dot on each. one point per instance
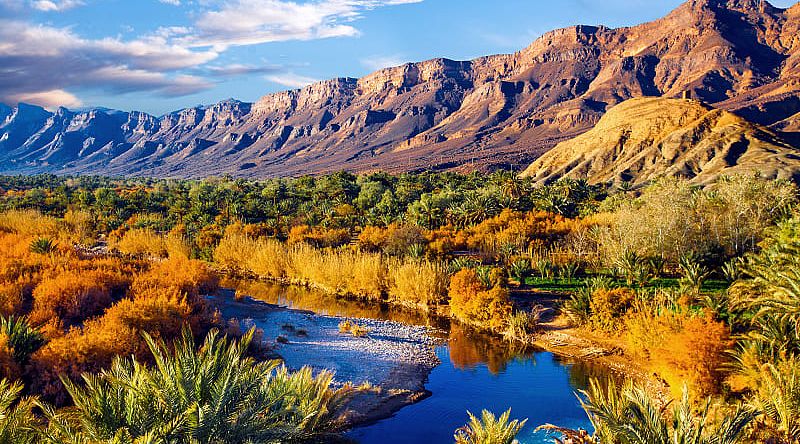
(373, 238)
(360, 274)
(269, 259)
(141, 242)
(28, 223)
(234, 251)
(417, 282)
(609, 305)
(74, 296)
(80, 226)
(695, 354)
(471, 303)
(188, 277)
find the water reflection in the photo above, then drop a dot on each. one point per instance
(319, 302)
(478, 371)
(468, 349)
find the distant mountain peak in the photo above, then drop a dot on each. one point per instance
(494, 111)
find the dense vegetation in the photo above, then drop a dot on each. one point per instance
(700, 286)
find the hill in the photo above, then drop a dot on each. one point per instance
(496, 111)
(642, 139)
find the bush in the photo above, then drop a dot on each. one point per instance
(160, 312)
(695, 354)
(472, 303)
(143, 242)
(609, 305)
(184, 276)
(418, 282)
(73, 296)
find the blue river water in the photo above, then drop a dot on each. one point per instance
(536, 386)
(476, 372)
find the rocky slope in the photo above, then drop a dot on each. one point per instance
(646, 138)
(741, 55)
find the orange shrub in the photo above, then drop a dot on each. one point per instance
(373, 238)
(695, 354)
(117, 333)
(519, 229)
(471, 303)
(13, 295)
(445, 240)
(318, 236)
(75, 296)
(189, 277)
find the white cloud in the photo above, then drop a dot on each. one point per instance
(37, 58)
(55, 5)
(49, 99)
(45, 62)
(250, 22)
(291, 80)
(379, 62)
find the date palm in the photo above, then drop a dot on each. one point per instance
(214, 394)
(489, 429)
(631, 416)
(18, 423)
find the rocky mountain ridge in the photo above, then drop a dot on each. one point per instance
(494, 111)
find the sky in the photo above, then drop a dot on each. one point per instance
(158, 56)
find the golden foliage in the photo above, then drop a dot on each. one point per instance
(472, 303)
(184, 276)
(608, 306)
(418, 282)
(28, 223)
(143, 242)
(318, 236)
(74, 296)
(682, 348)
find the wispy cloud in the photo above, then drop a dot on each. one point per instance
(46, 64)
(291, 80)
(237, 70)
(250, 22)
(38, 59)
(383, 61)
(55, 5)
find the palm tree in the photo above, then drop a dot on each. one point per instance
(214, 394)
(23, 339)
(489, 429)
(18, 423)
(777, 396)
(632, 416)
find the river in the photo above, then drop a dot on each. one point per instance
(476, 372)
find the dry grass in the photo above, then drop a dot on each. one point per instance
(143, 242)
(418, 282)
(28, 223)
(362, 274)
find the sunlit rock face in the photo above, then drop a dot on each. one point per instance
(501, 110)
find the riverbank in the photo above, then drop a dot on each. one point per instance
(558, 337)
(393, 360)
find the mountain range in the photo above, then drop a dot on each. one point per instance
(499, 111)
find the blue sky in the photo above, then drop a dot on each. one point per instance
(162, 55)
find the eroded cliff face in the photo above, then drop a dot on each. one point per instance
(643, 139)
(740, 55)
